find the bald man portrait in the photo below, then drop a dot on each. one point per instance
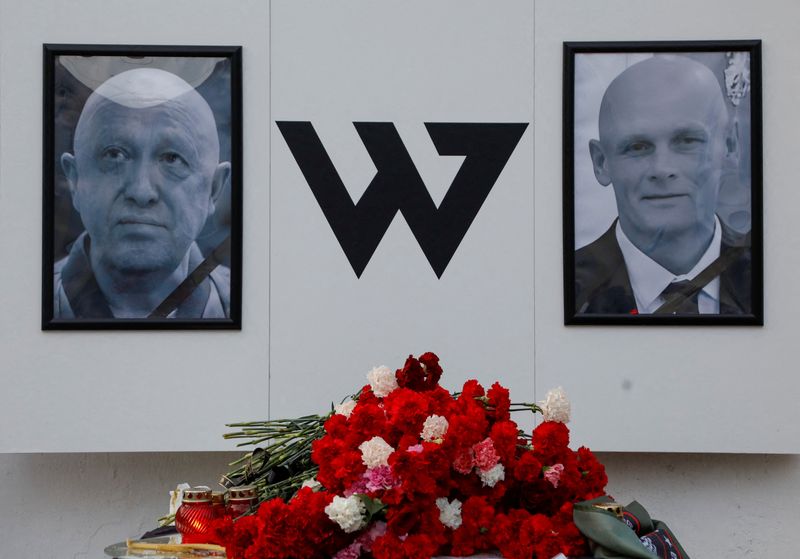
(144, 175)
(666, 136)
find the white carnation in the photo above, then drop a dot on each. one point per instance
(492, 476)
(346, 408)
(382, 380)
(313, 484)
(449, 513)
(435, 427)
(555, 406)
(375, 452)
(348, 513)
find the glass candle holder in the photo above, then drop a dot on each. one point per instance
(194, 516)
(241, 499)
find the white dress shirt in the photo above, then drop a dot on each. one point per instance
(649, 278)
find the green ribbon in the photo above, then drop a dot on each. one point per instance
(613, 538)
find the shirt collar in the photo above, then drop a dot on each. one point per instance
(649, 278)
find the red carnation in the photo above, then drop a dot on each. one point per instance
(523, 515)
(434, 372)
(527, 469)
(423, 474)
(420, 374)
(512, 536)
(499, 402)
(464, 461)
(239, 536)
(406, 412)
(544, 535)
(477, 517)
(365, 421)
(593, 474)
(505, 436)
(471, 390)
(550, 440)
(336, 426)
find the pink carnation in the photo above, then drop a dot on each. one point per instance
(374, 479)
(368, 538)
(352, 551)
(553, 473)
(358, 488)
(363, 542)
(486, 457)
(380, 478)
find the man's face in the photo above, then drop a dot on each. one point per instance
(662, 136)
(143, 184)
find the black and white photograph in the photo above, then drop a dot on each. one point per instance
(663, 183)
(142, 187)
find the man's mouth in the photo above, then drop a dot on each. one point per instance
(140, 221)
(664, 196)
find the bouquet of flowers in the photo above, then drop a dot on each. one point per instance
(405, 469)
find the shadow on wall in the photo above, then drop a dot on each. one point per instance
(718, 505)
(74, 505)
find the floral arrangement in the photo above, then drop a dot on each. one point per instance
(405, 469)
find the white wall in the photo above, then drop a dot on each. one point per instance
(71, 506)
(495, 320)
(722, 505)
(688, 389)
(78, 391)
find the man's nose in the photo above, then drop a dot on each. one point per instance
(662, 165)
(141, 186)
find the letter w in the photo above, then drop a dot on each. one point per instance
(397, 186)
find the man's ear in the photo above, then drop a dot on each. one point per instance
(600, 163)
(222, 175)
(70, 168)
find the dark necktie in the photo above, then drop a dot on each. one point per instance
(688, 305)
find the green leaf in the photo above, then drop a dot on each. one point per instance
(373, 506)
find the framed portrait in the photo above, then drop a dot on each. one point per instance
(142, 193)
(663, 183)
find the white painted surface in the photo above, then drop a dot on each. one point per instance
(71, 506)
(449, 61)
(691, 389)
(116, 391)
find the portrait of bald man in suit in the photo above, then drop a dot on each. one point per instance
(666, 138)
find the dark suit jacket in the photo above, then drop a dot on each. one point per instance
(602, 285)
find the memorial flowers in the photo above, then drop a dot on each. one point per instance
(412, 471)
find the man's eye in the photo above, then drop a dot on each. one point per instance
(114, 154)
(172, 158)
(637, 148)
(690, 141)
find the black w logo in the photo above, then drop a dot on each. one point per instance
(397, 186)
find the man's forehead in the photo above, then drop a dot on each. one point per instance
(143, 87)
(150, 89)
(170, 113)
(665, 78)
(165, 121)
(674, 88)
(680, 102)
(149, 95)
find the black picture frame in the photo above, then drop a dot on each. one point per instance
(208, 276)
(597, 285)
